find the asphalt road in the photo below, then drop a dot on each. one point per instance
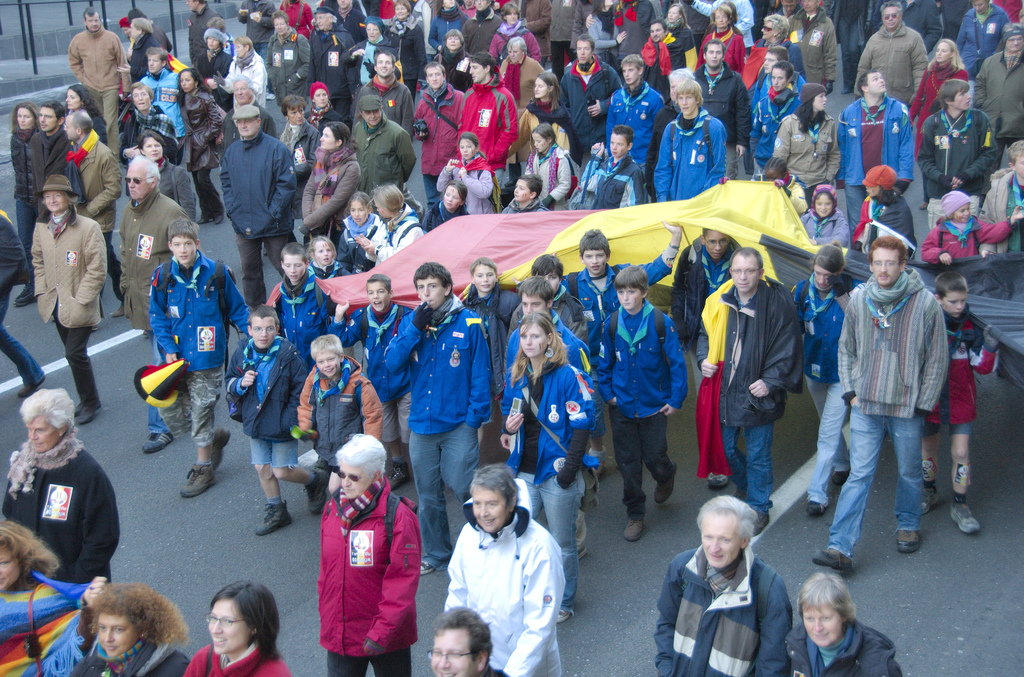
(952, 608)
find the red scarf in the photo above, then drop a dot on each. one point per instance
(351, 509)
(511, 79)
(657, 52)
(627, 9)
(478, 161)
(381, 87)
(772, 94)
(90, 142)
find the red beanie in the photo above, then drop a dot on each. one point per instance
(317, 86)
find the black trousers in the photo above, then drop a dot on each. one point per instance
(113, 266)
(250, 255)
(391, 664)
(210, 206)
(639, 442)
(560, 49)
(76, 345)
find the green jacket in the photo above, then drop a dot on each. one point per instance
(818, 46)
(385, 155)
(288, 64)
(998, 92)
(969, 152)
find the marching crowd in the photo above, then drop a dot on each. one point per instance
(508, 107)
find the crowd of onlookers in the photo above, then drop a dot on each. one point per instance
(511, 107)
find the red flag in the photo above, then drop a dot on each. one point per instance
(752, 68)
(709, 428)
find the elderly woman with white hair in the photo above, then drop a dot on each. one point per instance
(720, 604)
(831, 642)
(57, 490)
(369, 567)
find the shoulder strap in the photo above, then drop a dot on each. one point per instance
(764, 589)
(389, 519)
(613, 329)
(164, 283)
(574, 286)
(536, 415)
(659, 327)
(364, 324)
(707, 140)
(803, 297)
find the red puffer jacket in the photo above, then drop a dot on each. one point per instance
(490, 113)
(959, 400)
(442, 142)
(365, 591)
(253, 665)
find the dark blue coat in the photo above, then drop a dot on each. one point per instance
(273, 417)
(257, 178)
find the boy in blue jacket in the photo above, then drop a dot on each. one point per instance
(304, 308)
(375, 327)
(692, 155)
(594, 286)
(642, 375)
(192, 301)
(444, 347)
(265, 380)
(635, 105)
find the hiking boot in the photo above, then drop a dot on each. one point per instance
(929, 499)
(275, 517)
(839, 477)
(762, 521)
(30, 388)
(156, 442)
(634, 529)
(716, 482)
(199, 479)
(220, 440)
(961, 514)
(815, 509)
(26, 297)
(316, 492)
(833, 559)
(399, 475)
(907, 541)
(664, 490)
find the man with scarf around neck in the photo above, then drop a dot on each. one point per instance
(958, 148)
(1003, 198)
(873, 130)
(395, 96)
(958, 233)
(725, 99)
(635, 105)
(897, 51)
(769, 112)
(440, 109)
(893, 361)
(375, 327)
(761, 359)
(710, 622)
(144, 247)
(1000, 82)
(587, 89)
(444, 348)
(101, 179)
(693, 148)
(970, 351)
(187, 321)
(332, 63)
(480, 28)
(304, 310)
(83, 529)
(265, 380)
(612, 179)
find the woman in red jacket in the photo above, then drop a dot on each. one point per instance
(724, 18)
(368, 577)
(243, 624)
(300, 16)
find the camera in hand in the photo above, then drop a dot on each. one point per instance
(419, 128)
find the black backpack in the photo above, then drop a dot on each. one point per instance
(574, 283)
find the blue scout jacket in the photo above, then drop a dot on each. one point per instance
(764, 128)
(575, 349)
(450, 371)
(634, 111)
(821, 330)
(389, 385)
(648, 377)
(687, 166)
(187, 321)
(565, 406)
(897, 142)
(303, 317)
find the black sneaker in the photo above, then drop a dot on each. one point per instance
(316, 492)
(274, 517)
(26, 297)
(399, 475)
(815, 509)
(762, 521)
(839, 477)
(716, 482)
(156, 442)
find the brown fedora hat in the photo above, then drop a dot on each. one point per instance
(58, 182)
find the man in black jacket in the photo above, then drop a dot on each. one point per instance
(725, 97)
(587, 87)
(330, 61)
(848, 18)
(197, 25)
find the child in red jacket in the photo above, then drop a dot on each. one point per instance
(969, 351)
(960, 233)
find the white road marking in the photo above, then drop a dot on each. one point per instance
(789, 493)
(62, 363)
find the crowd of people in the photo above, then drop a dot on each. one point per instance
(508, 107)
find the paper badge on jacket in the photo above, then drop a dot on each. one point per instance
(72, 259)
(360, 548)
(144, 250)
(58, 502)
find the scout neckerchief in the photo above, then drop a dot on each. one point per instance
(193, 283)
(815, 304)
(949, 125)
(346, 370)
(252, 358)
(382, 326)
(697, 123)
(633, 341)
(871, 117)
(1018, 199)
(631, 101)
(715, 273)
(298, 300)
(819, 223)
(960, 235)
(712, 80)
(813, 132)
(886, 297)
(875, 209)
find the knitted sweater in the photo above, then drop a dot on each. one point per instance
(897, 370)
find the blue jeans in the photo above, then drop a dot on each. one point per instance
(855, 196)
(866, 435)
(833, 453)
(751, 472)
(26, 227)
(28, 368)
(430, 188)
(560, 509)
(154, 421)
(442, 458)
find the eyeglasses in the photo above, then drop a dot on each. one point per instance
(447, 656)
(890, 17)
(348, 476)
(133, 181)
(885, 264)
(767, 29)
(225, 623)
(736, 272)
(262, 330)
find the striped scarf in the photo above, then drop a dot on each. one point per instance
(350, 509)
(77, 156)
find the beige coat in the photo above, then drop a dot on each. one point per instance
(797, 149)
(901, 57)
(94, 59)
(144, 247)
(994, 209)
(70, 271)
(817, 46)
(101, 178)
(528, 72)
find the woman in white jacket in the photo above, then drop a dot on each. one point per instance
(400, 228)
(248, 63)
(508, 569)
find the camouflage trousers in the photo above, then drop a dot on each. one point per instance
(198, 392)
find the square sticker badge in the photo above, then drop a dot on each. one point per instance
(58, 502)
(207, 339)
(360, 548)
(144, 250)
(72, 259)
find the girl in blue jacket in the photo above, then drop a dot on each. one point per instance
(549, 411)
(820, 301)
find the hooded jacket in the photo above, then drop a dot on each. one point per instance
(897, 142)
(901, 56)
(999, 205)
(490, 112)
(603, 186)
(514, 580)
(870, 654)
(389, 386)
(690, 162)
(768, 117)
(354, 409)
(257, 178)
(578, 96)
(442, 142)
(70, 270)
(272, 416)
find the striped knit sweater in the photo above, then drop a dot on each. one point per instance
(897, 370)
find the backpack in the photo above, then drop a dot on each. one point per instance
(659, 326)
(364, 323)
(216, 281)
